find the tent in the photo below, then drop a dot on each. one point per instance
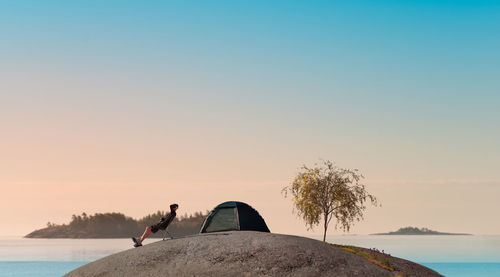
(233, 216)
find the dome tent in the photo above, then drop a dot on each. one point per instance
(233, 216)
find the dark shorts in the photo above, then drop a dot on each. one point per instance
(158, 226)
(154, 228)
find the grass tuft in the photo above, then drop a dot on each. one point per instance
(374, 259)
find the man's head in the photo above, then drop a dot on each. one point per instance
(174, 207)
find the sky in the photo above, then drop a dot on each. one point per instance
(126, 106)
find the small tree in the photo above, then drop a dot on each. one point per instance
(326, 191)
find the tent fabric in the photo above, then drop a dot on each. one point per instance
(223, 220)
(234, 216)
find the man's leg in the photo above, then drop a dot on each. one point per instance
(146, 234)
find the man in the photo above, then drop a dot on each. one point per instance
(163, 224)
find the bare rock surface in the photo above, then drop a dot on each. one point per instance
(241, 253)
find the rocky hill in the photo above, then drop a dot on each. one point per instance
(248, 253)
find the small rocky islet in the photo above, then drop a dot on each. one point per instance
(411, 231)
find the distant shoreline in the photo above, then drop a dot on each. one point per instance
(435, 234)
(116, 225)
(414, 231)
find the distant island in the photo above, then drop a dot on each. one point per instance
(117, 225)
(420, 231)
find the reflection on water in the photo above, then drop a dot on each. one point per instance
(466, 269)
(21, 249)
(422, 249)
(38, 269)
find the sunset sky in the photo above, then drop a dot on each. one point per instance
(130, 106)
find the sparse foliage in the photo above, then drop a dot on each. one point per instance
(326, 191)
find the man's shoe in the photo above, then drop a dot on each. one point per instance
(136, 243)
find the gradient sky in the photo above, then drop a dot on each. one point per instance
(129, 106)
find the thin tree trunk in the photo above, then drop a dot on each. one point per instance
(326, 227)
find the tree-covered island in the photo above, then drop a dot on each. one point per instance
(117, 225)
(420, 231)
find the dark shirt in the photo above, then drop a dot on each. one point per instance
(165, 221)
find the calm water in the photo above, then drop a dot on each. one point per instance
(53, 257)
(449, 255)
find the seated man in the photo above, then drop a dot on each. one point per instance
(163, 224)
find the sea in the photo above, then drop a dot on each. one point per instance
(476, 255)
